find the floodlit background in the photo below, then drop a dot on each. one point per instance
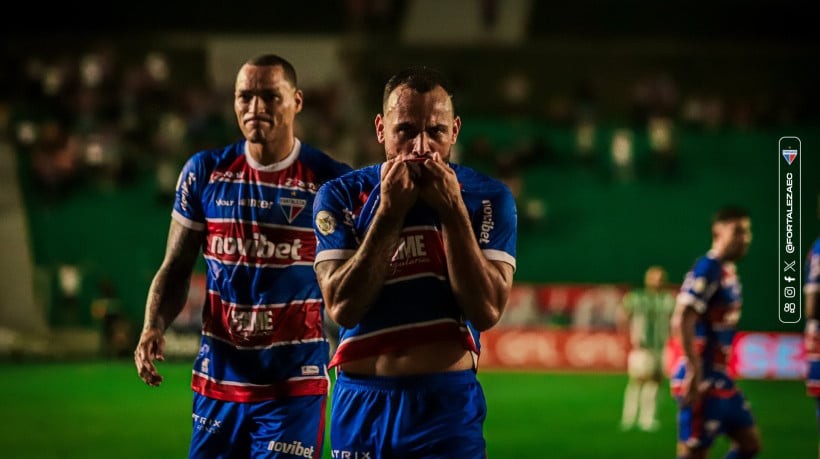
(620, 126)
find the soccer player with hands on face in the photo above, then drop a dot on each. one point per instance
(415, 257)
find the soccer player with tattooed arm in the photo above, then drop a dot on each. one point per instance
(260, 379)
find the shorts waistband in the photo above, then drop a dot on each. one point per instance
(423, 381)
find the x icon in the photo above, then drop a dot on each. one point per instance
(789, 266)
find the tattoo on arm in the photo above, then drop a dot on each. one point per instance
(169, 288)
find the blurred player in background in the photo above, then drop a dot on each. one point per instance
(705, 320)
(645, 315)
(811, 289)
(260, 380)
(415, 256)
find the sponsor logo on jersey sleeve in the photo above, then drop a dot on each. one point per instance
(185, 187)
(325, 222)
(699, 286)
(487, 223)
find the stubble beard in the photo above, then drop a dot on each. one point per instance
(256, 136)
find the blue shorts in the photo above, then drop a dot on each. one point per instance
(273, 429)
(700, 424)
(421, 417)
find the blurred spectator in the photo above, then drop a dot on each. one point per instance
(586, 132)
(663, 151)
(596, 309)
(652, 96)
(117, 334)
(489, 14)
(480, 153)
(69, 285)
(622, 152)
(56, 160)
(515, 90)
(371, 15)
(531, 209)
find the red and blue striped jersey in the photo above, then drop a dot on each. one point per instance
(416, 304)
(812, 331)
(812, 274)
(262, 322)
(713, 289)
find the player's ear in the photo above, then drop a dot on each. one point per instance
(298, 100)
(379, 122)
(456, 129)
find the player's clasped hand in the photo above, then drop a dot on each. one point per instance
(440, 187)
(398, 186)
(151, 347)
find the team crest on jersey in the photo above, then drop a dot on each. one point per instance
(291, 207)
(325, 222)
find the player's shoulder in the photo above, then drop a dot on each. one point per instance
(707, 265)
(324, 165)
(473, 181)
(218, 155)
(355, 180)
(210, 158)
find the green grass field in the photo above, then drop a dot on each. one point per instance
(102, 410)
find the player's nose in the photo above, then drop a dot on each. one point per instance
(421, 145)
(256, 105)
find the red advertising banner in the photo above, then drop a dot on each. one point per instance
(755, 355)
(587, 306)
(544, 349)
(761, 355)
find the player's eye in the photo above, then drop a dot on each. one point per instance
(405, 131)
(270, 97)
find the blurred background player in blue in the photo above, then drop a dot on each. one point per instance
(415, 257)
(705, 320)
(811, 290)
(260, 380)
(644, 315)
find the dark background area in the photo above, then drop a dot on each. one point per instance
(754, 63)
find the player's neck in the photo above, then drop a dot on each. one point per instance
(273, 151)
(719, 253)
